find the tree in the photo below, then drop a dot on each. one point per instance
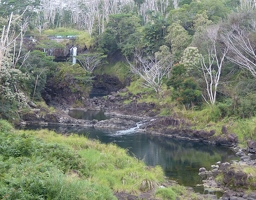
(178, 38)
(10, 76)
(17, 7)
(186, 90)
(247, 4)
(90, 61)
(212, 63)
(154, 33)
(38, 66)
(241, 48)
(152, 69)
(119, 31)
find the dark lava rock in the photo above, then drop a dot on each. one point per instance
(227, 140)
(31, 116)
(251, 146)
(105, 84)
(235, 179)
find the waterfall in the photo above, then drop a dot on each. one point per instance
(73, 51)
(130, 130)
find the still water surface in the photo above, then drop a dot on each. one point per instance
(179, 159)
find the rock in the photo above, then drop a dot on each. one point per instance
(31, 116)
(235, 179)
(245, 158)
(251, 146)
(233, 138)
(53, 118)
(240, 153)
(224, 166)
(202, 169)
(211, 133)
(227, 140)
(115, 123)
(224, 130)
(215, 166)
(32, 104)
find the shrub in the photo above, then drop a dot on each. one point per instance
(166, 193)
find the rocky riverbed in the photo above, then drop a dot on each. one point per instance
(229, 178)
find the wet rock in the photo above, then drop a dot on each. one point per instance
(227, 140)
(115, 123)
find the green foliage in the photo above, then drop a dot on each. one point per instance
(187, 13)
(166, 193)
(49, 45)
(241, 106)
(154, 34)
(45, 165)
(17, 7)
(119, 34)
(62, 31)
(39, 67)
(12, 97)
(5, 127)
(186, 90)
(73, 77)
(84, 39)
(118, 69)
(178, 38)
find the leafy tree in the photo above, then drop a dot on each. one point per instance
(11, 95)
(201, 21)
(178, 38)
(154, 34)
(119, 32)
(186, 89)
(38, 66)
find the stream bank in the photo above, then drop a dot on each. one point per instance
(125, 116)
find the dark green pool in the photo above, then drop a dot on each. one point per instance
(179, 159)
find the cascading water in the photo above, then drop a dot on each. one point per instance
(130, 130)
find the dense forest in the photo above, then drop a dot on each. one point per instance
(200, 53)
(194, 59)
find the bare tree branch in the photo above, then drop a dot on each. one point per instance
(213, 66)
(151, 70)
(242, 52)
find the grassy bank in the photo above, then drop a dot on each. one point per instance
(206, 117)
(45, 165)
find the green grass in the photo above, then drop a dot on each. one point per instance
(82, 38)
(62, 31)
(119, 69)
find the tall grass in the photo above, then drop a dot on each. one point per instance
(45, 165)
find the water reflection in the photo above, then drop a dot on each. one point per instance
(88, 114)
(179, 159)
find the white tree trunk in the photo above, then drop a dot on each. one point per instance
(212, 67)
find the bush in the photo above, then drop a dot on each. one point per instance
(166, 193)
(186, 90)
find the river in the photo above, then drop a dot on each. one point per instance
(179, 159)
